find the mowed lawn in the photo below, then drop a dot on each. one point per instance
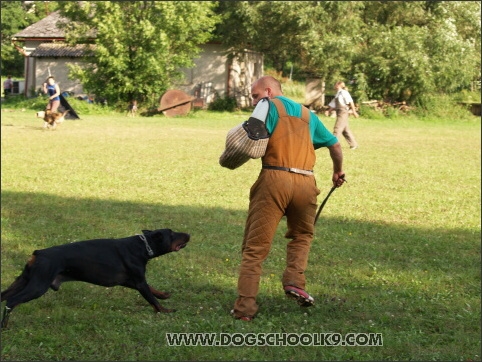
(396, 252)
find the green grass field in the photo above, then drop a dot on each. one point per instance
(396, 250)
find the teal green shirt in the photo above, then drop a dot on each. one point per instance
(320, 136)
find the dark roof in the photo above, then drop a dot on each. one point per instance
(52, 50)
(45, 28)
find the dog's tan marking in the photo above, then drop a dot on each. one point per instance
(31, 260)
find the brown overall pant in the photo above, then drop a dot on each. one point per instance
(274, 194)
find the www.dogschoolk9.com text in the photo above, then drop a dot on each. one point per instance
(274, 339)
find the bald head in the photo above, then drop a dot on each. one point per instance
(266, 86)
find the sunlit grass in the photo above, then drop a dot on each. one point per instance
(396, 250)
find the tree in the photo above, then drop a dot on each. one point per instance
(454, 43)
(140, 46)
(331, 39)
(412, 49)
(271, 28)
(395, 50)
(394, 65)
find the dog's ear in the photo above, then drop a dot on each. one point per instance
(164, 233)
(162, 239)
(145, 232)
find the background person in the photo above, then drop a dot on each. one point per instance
(286, 186)
(7, 86)
(341, 104)
(52, 89)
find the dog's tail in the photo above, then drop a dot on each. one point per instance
(62, 117)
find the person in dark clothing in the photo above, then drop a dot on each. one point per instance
(52, 89)
(7, 86)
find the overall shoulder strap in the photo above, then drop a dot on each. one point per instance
(280, 107)
(305, 114)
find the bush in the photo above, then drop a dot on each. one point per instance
(38, 104)
(467, 96)
(228, 104)
(370, 112)
(21, 102)
(441, 106)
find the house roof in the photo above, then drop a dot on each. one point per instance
(45, 28)
(54, 50)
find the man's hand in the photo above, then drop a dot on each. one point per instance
(338, 179)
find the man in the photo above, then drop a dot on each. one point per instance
(7, 86)
(285, 186)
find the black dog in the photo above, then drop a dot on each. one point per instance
(106, 262)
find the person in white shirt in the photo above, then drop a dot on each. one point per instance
(342, 104)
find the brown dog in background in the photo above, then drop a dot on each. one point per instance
(51, 119)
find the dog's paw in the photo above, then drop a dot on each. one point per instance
(162, 295)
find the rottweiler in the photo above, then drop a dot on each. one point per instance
(105, 262)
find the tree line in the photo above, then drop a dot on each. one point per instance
(390, 50)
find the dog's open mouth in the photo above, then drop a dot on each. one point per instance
(180, 246)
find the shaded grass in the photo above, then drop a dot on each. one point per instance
(396, 251)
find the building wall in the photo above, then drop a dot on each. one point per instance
(242, 73)
(208, 76)
(29, 66)
(215, 73)
(37, 71)
(60, 71)
(218, 73)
